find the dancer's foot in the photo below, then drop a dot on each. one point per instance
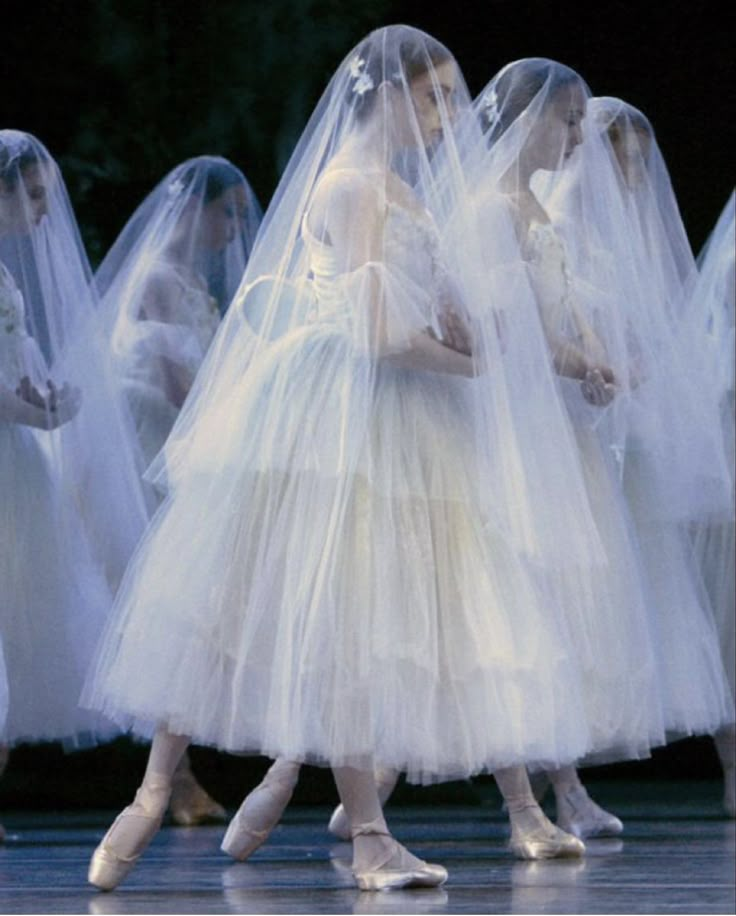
(261, 811)
(534, 836)
(578, 814)
(386, 780)
(129, 835)
(381, 863)
(190, 804)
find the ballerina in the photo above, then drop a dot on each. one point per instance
(533, 114)
(674, 465)
(712, 308)
(341, 572)
(55, 592)
(193, 233)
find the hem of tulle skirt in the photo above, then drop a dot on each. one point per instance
(142, 725)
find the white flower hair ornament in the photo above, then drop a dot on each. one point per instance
(363, 81)
(489, 105)
(175, 188)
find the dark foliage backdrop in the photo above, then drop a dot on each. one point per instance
(122, 90)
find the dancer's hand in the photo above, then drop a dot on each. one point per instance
(455, 332)
(28, 392)
(598, 387)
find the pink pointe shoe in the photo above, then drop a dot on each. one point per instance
(397, 868)
(261, 811)
(131, 832)
(538, 838)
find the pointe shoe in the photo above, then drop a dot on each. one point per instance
(398, 870)
(579, 815)
(545, 841)
(191, 805)
(260, 812)
(108, 867)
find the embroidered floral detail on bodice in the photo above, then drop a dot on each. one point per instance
(411, 247)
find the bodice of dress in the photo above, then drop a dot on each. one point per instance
(544, 252)
(411, 255)
(195, 308)
(183, 339)
(19, 353)
(571, 309)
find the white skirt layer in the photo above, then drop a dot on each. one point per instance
(367, 614)
(693, 683)
(608, 615)
(153, 414)
(54, 602)
(715, 553)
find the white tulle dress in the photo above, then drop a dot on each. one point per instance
(651, 608)
(615, 637)
(54, 600)
(390, 622)
(144, 356)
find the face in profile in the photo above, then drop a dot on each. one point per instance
(559, 129)
(221, 218)
(24, 204)
(433, 98)
(631, 146)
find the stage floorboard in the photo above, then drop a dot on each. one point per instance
(676, 856)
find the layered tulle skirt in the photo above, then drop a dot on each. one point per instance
(54, 602)
(697, 698)
(608, 615)
(323, 583)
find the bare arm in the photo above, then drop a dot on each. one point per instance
(158, 303)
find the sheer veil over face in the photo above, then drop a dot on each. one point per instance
(619, 282)
(41, 248)
(166, 281)
(648, 450)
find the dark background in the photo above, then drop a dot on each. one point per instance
(123, 90)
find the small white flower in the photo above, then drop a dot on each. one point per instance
(176, 187)
(356, 66)
(489, 103)
(363, 84)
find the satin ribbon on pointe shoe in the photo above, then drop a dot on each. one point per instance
(108, 867)
(399, 870)
(543, 840)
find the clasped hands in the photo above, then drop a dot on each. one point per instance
(598, 386)
(60, 404)
(455, 332)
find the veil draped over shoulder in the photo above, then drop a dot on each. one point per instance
(167, 280)
(50, 269)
